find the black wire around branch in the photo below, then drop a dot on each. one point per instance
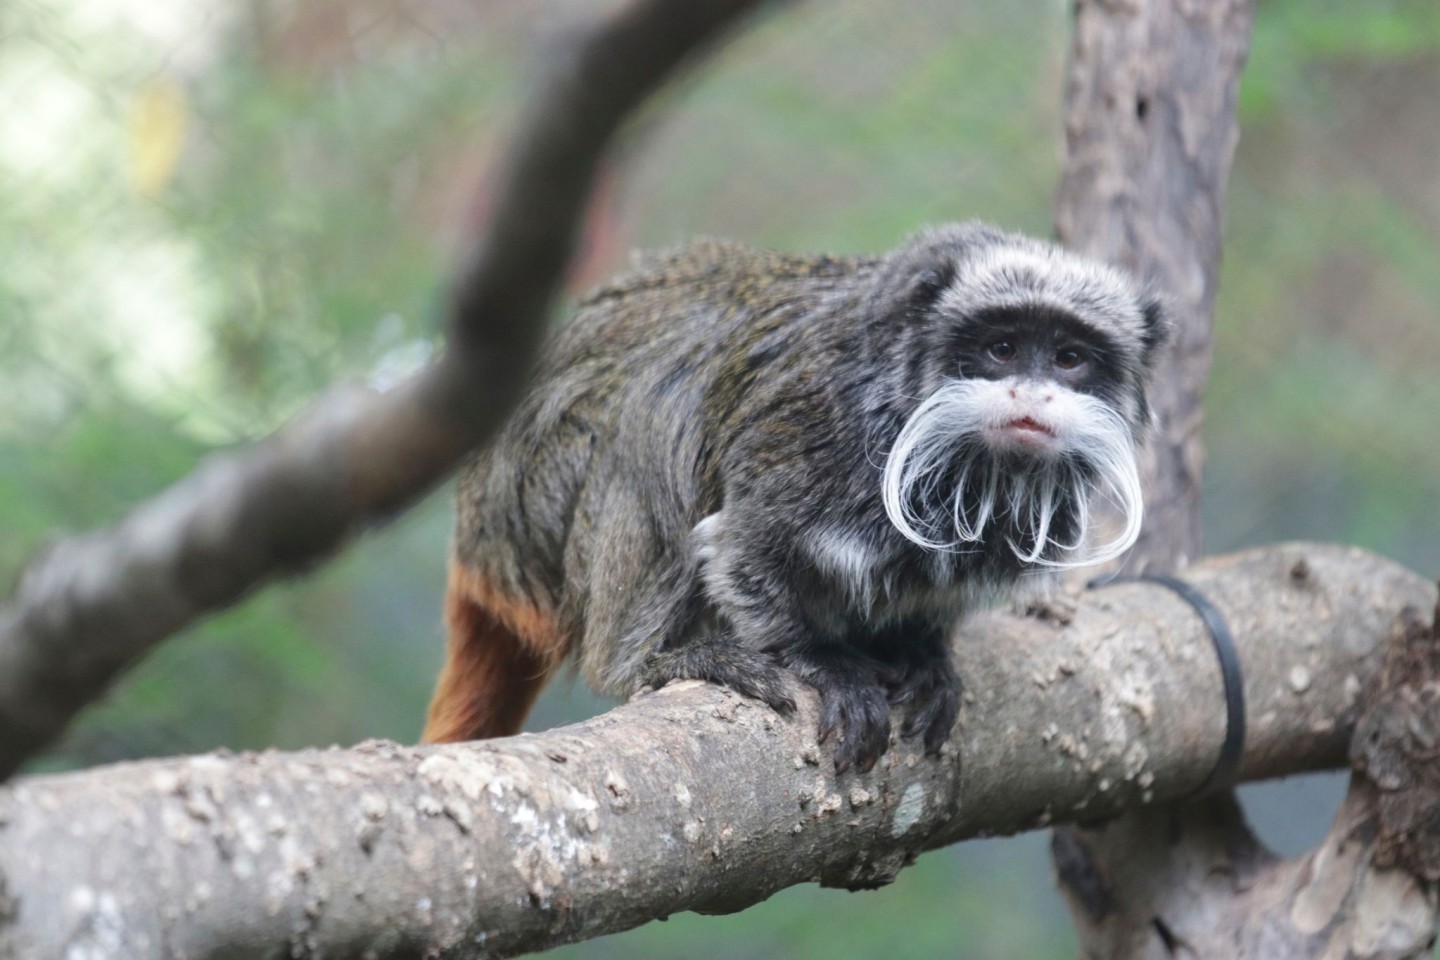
(1233, 746)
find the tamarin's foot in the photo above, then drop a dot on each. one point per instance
(929, 690)
(748, 672)
(854, 711)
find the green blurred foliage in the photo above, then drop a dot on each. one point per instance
(216, 209)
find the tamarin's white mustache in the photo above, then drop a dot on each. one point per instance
(1094, 457)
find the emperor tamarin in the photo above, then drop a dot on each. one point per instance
(744, 466)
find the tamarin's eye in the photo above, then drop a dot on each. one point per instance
(1068, 358)
(1002, 350)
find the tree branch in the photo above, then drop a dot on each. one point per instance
(689, 799)
(91, 606)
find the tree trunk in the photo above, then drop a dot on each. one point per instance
(1151, 130)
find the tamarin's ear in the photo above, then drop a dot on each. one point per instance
(928, 282)
(908, 286)
(912, 278)
(915, 275)
(1155, 326)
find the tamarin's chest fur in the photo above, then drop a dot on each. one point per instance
(692, 487)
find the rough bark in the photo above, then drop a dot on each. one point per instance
(90, 606)
(1193, 881)
(689, 799)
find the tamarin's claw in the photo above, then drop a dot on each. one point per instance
(921, 680)
(854, 711)
(931, 693)
(858, 713)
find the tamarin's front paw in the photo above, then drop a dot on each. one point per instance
(854, 711)
(857, 713)
(929, 692)
(748, 672)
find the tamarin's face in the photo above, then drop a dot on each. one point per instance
(1035, 407)
(1035, 361)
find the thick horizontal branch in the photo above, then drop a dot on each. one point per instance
(692, 798)
(90, 606)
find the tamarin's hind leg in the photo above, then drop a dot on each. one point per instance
(498, 654)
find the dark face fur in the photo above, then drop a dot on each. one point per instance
(1037, 344)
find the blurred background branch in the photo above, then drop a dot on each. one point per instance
(89, 606)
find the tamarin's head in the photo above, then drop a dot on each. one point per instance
(1023, 369)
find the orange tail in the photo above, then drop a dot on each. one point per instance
(498, 654)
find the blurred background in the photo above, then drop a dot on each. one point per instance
(213, 210)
